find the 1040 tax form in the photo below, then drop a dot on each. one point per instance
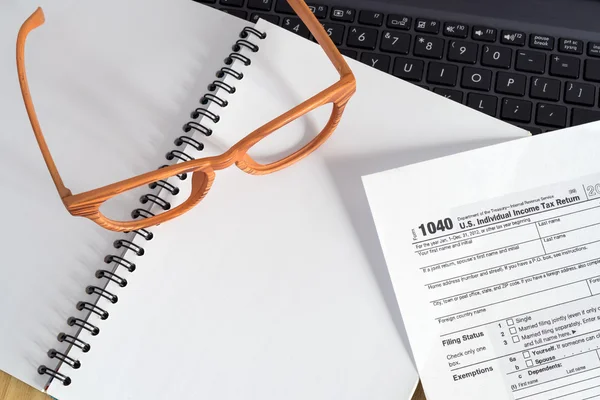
(494, 255)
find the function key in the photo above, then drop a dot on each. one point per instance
(320, 11)
(399, 21)
(282, 6)
(262, 5)
(513, 38)
(232, 3)
(572, 46)
(484, 34)
(543, 42)
(455, 29)
(370, 18)
(343, 14)
(427, 26)
(593, 49)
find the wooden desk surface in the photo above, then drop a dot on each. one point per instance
(13, 389)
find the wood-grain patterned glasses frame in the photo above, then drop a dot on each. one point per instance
(87, 204)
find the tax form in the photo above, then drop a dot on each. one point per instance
(494, 255)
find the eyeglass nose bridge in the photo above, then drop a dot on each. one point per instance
(202, 181)
(250, 166)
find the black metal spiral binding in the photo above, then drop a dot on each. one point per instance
(127, 244)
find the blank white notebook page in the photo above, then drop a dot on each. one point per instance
(108, 80)
(274, 287)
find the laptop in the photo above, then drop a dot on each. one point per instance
(531, 63)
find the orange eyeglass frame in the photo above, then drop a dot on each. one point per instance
(87, 204)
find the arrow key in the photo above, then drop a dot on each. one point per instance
(551, 115)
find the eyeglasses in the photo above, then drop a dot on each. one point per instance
(87, 204)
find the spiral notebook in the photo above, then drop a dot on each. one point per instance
(274, 286)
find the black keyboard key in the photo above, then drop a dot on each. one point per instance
(572, 46)
(319, 10)
(531, 129)
(206, 1)
(531, 61)
(456, 29)
(296, 25)
(483, 103)
(232, 3)
(363, 38)
(370, 18)
(580, 93)
(396, 21)
(262, 5)
(496, 56)
(238, 13)
(484, 34)
(565, 66)
(395, 42)
(464, 52)
(516, 110)
(544, 88)
(592, 70)
(282, 6)
(513, 38)
(274, 19)
(408, 69)
(449, 94)
(430, 47)
(349, 53)
(379, 61)
(475, 78)
(335, 32)
(427, 26)
(442, 74)
(593, 49)
(343, 14)
(551, 115)
(581, 116)
(509, 83)
(543, 42)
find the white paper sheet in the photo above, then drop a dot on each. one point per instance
(274, 286)
(108, 80)
(494, 259)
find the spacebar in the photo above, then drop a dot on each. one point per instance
(582, 116)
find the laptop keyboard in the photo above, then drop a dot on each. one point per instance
(530, 79)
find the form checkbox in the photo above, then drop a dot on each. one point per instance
(510, 322)
(529, 363)
(513, 330)
(516, 339)
(526, 354)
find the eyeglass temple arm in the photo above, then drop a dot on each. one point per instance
(36, 19)
(315, 27)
